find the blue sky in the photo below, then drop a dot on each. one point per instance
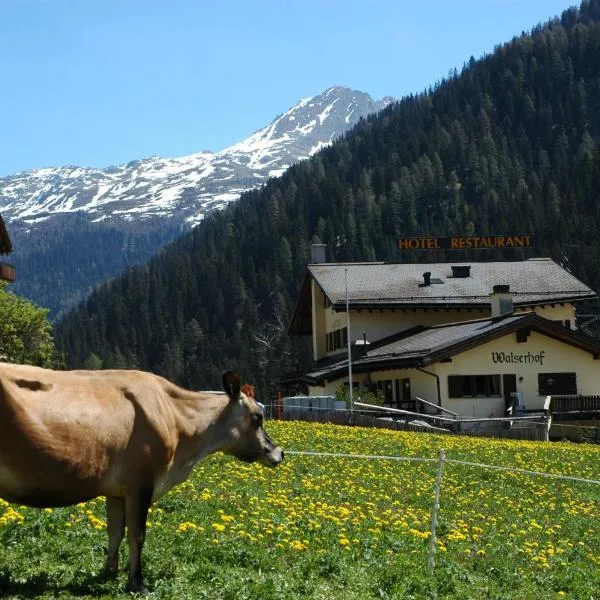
(102, 82)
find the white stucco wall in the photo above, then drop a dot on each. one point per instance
(554, 356)
(380, 324)
(554, 312)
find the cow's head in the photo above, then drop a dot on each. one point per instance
(247, 439)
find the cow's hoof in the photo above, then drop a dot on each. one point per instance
(137, 588)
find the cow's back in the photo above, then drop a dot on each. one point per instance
(66, 436)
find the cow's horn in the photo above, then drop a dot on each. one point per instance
(232, 384)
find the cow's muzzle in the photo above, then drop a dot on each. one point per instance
(273, 457)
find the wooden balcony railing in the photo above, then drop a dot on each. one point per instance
(573, 404)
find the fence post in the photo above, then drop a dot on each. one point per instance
(436, 506)
(548, 419)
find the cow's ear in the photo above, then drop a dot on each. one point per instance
(232, 385)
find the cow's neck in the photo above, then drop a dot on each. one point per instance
(200, 425)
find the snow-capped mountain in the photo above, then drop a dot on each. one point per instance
(74, 227)
(190, 186)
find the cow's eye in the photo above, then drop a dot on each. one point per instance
(257, 419)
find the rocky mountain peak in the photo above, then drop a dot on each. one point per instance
(189, 186)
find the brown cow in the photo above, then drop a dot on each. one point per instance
(69, 436)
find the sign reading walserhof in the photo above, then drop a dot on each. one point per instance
(466, 242)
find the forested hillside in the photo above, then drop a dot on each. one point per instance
(509, 145)
(48, 257)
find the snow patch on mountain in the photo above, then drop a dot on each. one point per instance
(188, 186)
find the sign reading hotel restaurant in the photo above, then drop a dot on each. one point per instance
(464, 242)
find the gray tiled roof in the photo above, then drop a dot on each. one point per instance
(413, 347)
(423, 346)
(533, 281)
(439, 337)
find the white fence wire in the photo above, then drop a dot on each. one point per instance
(447, 460)
(441, 460)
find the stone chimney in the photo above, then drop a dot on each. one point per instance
(317, 253)
(501, 300)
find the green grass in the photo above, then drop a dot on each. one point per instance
(337, 528)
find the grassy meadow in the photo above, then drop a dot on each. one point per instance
(337, 528)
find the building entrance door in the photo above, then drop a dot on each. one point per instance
(387, 392)
(403, 397)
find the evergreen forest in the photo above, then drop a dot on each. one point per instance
(51, 275)
(509, 145)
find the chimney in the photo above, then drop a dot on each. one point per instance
(461, 271)
(501, 300)
(364, 342)
(426, 279)
(317, 253)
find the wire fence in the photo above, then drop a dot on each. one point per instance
(523, 428)
(447, 460)
(531, 427)
(441, 461)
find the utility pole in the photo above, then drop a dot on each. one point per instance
(351, 399)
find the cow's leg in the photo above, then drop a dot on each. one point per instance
(115, 516)
(137, 502)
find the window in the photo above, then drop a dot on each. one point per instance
(334, 340)
(556, 384)
(385, 391)
(337, 339)
(473, 385)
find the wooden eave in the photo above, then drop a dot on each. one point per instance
(5, 244)
(7, 272)
(447, 306)
(301, 323)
